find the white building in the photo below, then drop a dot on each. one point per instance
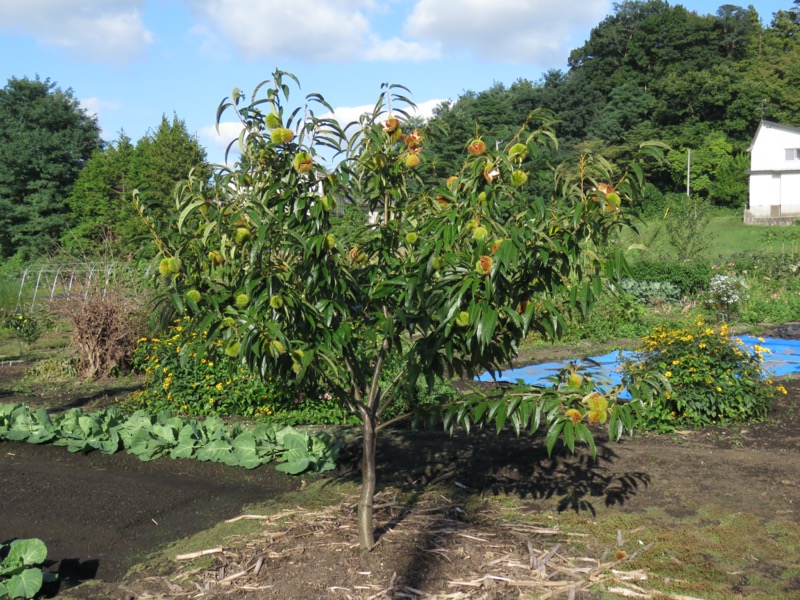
(774, 175)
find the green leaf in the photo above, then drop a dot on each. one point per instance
(553, 434)
(26, 552)
(568, 432)
(289, 438)
(216, 451)
(244, 447)
(24, 585)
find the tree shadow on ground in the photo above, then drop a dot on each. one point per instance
(483, 464)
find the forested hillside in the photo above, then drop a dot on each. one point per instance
(654, 71)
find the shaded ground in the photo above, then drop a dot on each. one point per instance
(97, 514)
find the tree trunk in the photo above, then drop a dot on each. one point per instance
(366, 526)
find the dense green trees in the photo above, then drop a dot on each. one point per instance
(655, 71)
(101, 205)
(60, 185)
(45, 140)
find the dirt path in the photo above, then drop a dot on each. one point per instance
(97, 514)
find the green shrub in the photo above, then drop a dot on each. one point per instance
(27, 327)
(420, 397)
(651, 293)
(761, 264)
(184, 378)
(770, 302)
(690, 278)
(188, 376)
(653, 203)
(714, 380)
(614, 316)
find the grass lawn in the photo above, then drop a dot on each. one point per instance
(728, 236)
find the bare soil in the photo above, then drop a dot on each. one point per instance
(100, 514)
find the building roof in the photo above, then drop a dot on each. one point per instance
(772, 125)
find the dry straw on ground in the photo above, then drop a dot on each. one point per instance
(479, 556)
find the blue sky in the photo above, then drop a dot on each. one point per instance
(130, 61)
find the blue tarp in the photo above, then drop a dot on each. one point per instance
(783, 359)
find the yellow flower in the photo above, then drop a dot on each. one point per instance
(668, 374)
(781, 389)
(719, 389)
(676, 362)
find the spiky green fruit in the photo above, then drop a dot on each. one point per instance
(302, 162)
(276, 302)
(242, 300)
(281, 135)
(518, 152)
(232, 349)
(164, 268)
(241, 235)
(519, 178)
(174, 265)
(228, 322)
(215, 257)
(412, 237)
(194, 296)
(330, 241)
(480, 233)
(412, 161)
(277, 347)
(574, 380)
(287, 135)
(462, 319)
(272, 120)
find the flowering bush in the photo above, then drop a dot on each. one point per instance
(725, 292)
(182, 379)
(713, 378)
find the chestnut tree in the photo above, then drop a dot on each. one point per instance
(443, 278)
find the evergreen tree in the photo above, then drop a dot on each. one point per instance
(164, 158)
(45, 139)
(102, 204)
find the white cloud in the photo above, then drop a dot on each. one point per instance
(94, 30)
(536, 31)
(97, 107)
(320, 30)
(312, 29)
(219, 141)
(348, 114)
(94, 105)
(425, 109)
(396, 49)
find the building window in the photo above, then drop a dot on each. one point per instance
(792, 153)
